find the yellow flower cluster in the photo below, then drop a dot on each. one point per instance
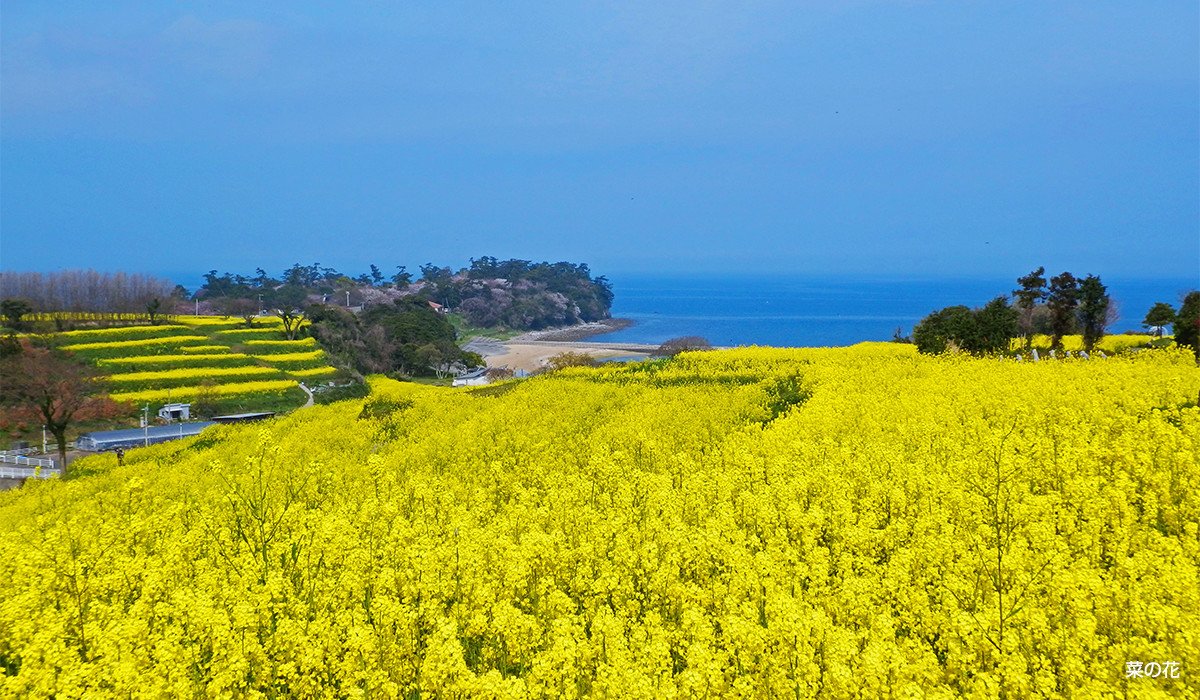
(267, 346)
(189, 375)
(317, 354)
(188, 361)
(148, 362)
(1110, 344)
(143, 346)
(92, 316)
(237, 335)
(226, 322)
(314, 373)
(122, 333)
(272, 386)
(295, 360)
(835, 523)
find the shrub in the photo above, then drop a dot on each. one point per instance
(687, 343)
(570, 359)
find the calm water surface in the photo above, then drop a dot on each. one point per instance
(799, 311)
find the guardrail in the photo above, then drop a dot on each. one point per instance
(21, 460)
(38, 472)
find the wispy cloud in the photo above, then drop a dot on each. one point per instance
(236, 49)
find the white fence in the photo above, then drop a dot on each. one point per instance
(23, 467)
(36, 472)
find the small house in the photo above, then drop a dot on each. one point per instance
(175, 411)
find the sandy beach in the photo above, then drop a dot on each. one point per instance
(523, 353)
(532, 357)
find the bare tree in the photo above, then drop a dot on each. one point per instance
(247, 309)
(570, 359)
(56, 388)
(85, 290)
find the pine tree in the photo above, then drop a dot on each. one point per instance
(1094, 303)
(1063, 300)
(1032, 291)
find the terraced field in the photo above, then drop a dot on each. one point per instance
(204, 359)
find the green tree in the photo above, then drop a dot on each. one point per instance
(1187, 323)
(288, 301)
(152, 310)
(1092, 311)
(989, 329)
(13, 310)
(442, 357)
(996, 324)
(1031, 293)
(1159, 316)
(951, 326)
(1063, 300)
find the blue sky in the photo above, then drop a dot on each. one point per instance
(887, 138)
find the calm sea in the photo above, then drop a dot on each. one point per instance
(808, 311)
(812, 311)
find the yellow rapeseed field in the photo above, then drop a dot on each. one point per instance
(139, 362)
(262, 346)
(134, 347)
(1110, 344)
(309, 356)
(121, 333)
(314, 373)
(186, 393)
(189, 374)
(844, 523)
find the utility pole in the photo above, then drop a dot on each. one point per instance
(347, 298)
(146, 424)
(197, 306)
(43, 439)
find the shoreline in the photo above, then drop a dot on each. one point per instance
(574, 333)
(531, 351)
